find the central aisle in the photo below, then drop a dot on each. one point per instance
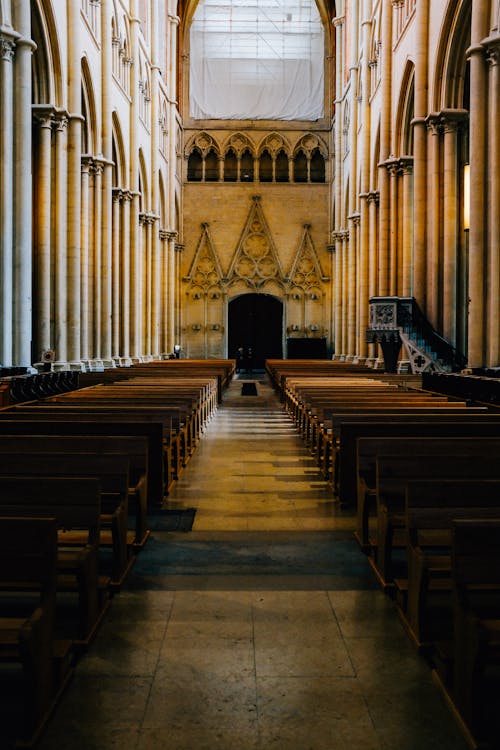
(262, 628)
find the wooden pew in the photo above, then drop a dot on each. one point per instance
(451, 461)
(112, 426)
(369, 450)
(112, 471)
(431, 506)
(476, 583)
(424, 426)
(133, 448)
(28, 556)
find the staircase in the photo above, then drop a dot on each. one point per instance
(397, 321)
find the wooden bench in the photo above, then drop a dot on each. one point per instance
(75, 503)
(112, 471)
(112, 426)
(349, 432)
(393, 474)
(28, 558)
(370, 449)
(476, 583)
(133, 448)
(430, 508)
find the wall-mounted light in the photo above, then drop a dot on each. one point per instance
(196, 295)
(196, 327)
(215, 327)
(296, 296)
(466, 206)
(314, 295)
(314, 327)
(215, 295)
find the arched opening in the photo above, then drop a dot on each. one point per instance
(256, 321)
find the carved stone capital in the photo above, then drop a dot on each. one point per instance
(7, 47)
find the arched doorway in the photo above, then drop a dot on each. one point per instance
(256, 321)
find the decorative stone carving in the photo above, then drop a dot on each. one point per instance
(256, 260)
(205, 272)
(305, 272)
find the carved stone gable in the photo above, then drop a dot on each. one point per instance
(205, 272)
(256, 260)
(306, 272)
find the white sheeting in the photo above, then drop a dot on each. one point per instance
(257, 59)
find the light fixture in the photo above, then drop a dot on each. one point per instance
(466, 206)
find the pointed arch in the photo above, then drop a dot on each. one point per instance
(46, 61)
(405, 111)
(450, 78)
(89, 111)
(120, 167)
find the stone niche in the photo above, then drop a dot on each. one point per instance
(245, 235)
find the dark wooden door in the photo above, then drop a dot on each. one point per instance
(256, 321)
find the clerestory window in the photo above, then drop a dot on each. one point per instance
(257, 59)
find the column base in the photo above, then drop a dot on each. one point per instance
(122, 361)
(108, 363)
(359, 360)
(370, 362)
(349, 358)
(404, 367)
(96, 365)
(379, 364)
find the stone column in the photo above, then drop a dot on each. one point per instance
(59, 257)
(164, 341)
(333, 282)
(393, 169)
(84, 259)
(373, 198)
(420, 200)
(337, 293)
(434, 223)
(43, 235)
(385, 148)
(179, 248)
(106, 275)
(346, 267)
(450, 228)
(74, 184)
(7, 46)
(478, 191)
(125, 280)
(407, 222)
(116, 277)
(170, 290)
(155, 286)
(23, 199)
(97, 168)
(365, 159)
(135, 228)
(493, 168)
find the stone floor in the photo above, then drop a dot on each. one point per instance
(260, 629)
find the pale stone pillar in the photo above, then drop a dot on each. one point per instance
(221, 167)
(450, 228)
(420, 152)
(365, 158)
(164, 342)
(96, 288)
(106, 268)
(478, 193)
(125, 279)
(84, 259)
(135, 228)
(145, 307)
(345, 292)
(171, 290)
(43, 235)
(407, 224)
(23, 200)
(337, 294)
(116, 276)
(393, 169)
(74, 185)
(60, 239)
(333, 283)
(493, 168)
(434, 223)
(385, 148)
(373, 198)
(156, 287)
(177, 286)
(7, 46)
